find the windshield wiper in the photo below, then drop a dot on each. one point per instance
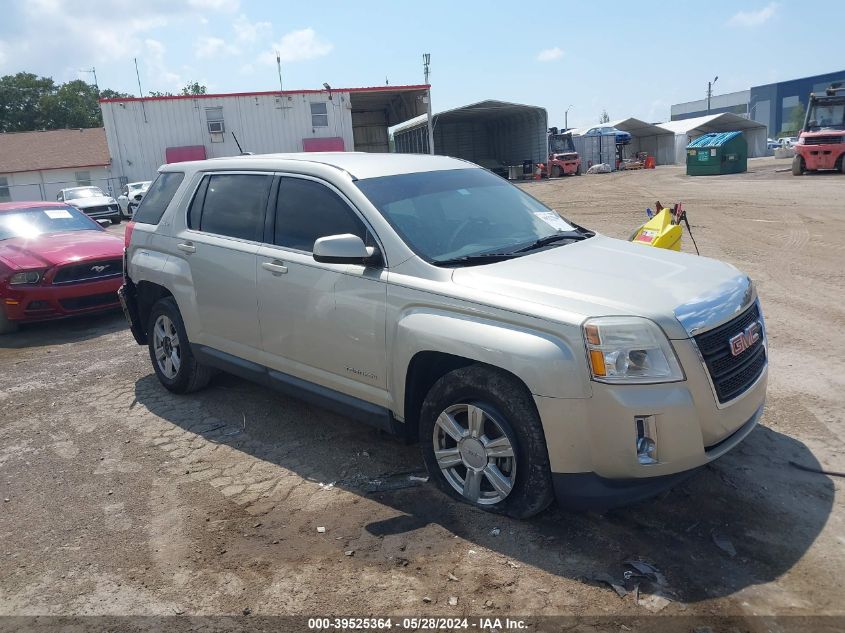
(556, 237)
(472, 260)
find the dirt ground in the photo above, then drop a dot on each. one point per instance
(119, 498)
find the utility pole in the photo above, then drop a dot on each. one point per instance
(279, 67)
(426, 64)
(566, 117)
(710, 85)
(140, 91)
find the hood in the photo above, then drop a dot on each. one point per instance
(602, 276)
(59, 248)
(97, 201)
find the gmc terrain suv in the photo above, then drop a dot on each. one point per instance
(531, 357)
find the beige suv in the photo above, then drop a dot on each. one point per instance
(531, 357)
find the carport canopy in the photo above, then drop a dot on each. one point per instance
(651, 138)
(687, 130)
(507, 132)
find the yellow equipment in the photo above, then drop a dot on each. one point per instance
(663, 229)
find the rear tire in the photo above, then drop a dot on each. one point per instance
(116, 219)
(491, 450)
(797, 165)
(170, 350)
(7, 326)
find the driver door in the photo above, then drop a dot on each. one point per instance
(324, 323)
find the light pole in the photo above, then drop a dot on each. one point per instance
(710, 85)
(566, 117)
(426, 63)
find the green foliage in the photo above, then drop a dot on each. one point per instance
(29, 102)
(194, 88)
(796, 118)
(605, 117)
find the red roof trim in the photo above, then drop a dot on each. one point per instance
(23, 171)
(269, 93)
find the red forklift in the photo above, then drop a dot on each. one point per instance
(821, 144)
(563, 159)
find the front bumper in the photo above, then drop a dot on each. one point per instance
(43, 303)
(820, 156)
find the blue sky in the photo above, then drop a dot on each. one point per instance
(631, 58)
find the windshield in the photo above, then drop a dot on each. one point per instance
(829, 114)
(83, 192)
(135, 186)
(443, 215)
(32, 223)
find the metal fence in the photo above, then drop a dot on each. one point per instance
(49, 189)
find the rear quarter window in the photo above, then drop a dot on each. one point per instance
(158, 196)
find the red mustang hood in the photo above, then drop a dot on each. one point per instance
(59, 248)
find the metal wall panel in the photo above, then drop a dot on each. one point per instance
(139, 132)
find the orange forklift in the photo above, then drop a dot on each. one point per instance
(821, 144)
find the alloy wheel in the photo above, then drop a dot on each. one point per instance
(474, 453)
(166, 346)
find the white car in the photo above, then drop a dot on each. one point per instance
(130, 197)
(532, 358)
(92, 201)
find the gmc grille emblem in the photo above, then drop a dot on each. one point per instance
(98, 269)
(745, 339)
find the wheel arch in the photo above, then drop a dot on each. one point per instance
(430, 344)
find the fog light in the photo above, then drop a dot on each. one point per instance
(646, 442)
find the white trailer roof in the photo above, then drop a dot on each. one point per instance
(635, 127)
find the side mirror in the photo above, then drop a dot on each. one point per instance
(344, 249)
(104, 223)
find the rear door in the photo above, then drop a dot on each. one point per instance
(324, 323)
(225, 225)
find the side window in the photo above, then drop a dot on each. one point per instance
(234, 205)
(319, 115)
(158, 196)
(307, 210)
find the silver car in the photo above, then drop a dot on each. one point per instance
(92, 201)
(531, 357)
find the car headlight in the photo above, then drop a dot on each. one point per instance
(28, 277)
(629, 350)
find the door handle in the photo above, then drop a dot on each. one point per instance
(276, 267)
(188, 247)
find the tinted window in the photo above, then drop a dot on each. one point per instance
(158, 196)
(307, 210)
(234, 205)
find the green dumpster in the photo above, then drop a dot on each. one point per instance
(717, 153)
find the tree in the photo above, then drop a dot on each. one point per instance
(20, 96)
(73, 105)
(194, 88)
(605, 118)
(108, 93)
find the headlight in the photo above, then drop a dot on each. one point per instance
(28, 277)
(800, 141)
(629, 350)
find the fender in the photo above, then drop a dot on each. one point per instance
(547, 364)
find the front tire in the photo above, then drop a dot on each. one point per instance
(115, 219)
(483, 443)
(170, 350)
(556, 171)
(797, 165)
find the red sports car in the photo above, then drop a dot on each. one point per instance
(55, 262)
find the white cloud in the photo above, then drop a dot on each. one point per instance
(247, 69)
(100, 34)
(228, 6)
(209, 47)
(157, 68)
(249, 32)
(549, 54)
(298, 46)
(749, 19)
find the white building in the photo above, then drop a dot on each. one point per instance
(144, 133)
(36, 165)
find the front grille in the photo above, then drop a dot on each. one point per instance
(732, 375)
(91, 301)
(823, 140)
(105, 209)
(89, 271)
